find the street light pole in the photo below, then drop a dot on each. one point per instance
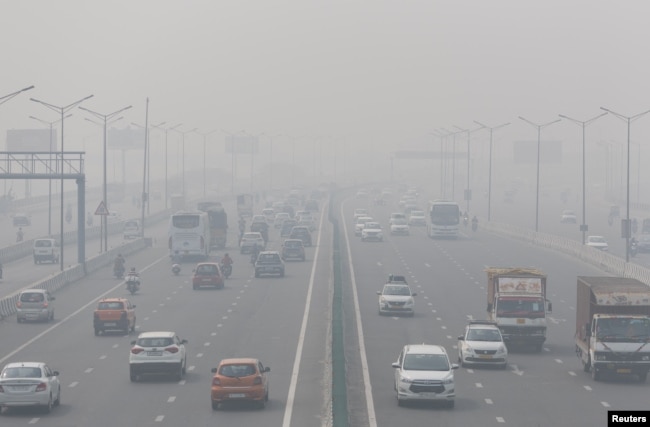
(62, 111)
(183, 158)
(147, 156)
(491, 129)
(49, 192)
(105, 118)
(439, 133)
(583, 124)
(629, 120)
(6, 98)
(232, 159)
(271, 160)
(468, 191)
(539, 136)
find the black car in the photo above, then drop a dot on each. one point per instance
(301, 232)
(270, 263)
(293, 249)
(643, 243)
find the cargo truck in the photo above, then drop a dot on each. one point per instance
(516, 301)
(613, 326)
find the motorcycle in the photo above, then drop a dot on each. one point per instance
(176, 269)
(633, 249)
(118, 271)
(132, 283)
(465, 221)
(474, 225)
(226, 269)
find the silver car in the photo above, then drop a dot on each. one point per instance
(35, 304)
(250, 240)
(396, 298)
(29, 384)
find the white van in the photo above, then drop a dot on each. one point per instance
(46, 250)
(132, 229)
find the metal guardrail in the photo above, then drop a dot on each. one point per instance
(606, 261)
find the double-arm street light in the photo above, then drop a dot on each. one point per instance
(49, 193)
(253, 140)
(166, 162)
(232, 159)
(105, 118)
(271, 159)
(6, 98)
(583, 124)
(629, 120)
(491, 129)
(62, 110)
(205, 137)
(539, 136)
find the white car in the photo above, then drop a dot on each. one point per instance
(417, 218)
(360, 223)
(250, 240)
(372, 231)
(157, 352)
(569, 217)
(424, 372)
(359, 212)
(482, 344)
(269, 213)
(29, 384)
(396, 298)
(597, 242)
(396, 215)
(399, 226)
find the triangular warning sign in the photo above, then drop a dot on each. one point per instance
(101, 209)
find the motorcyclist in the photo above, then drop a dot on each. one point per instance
(19, 235)
(633, 246)
(242, 227)
(255, 253)
(132, 276)
(465, 220)
(226, 260)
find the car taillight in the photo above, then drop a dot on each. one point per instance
(45, 305)
(19, 304)
(216, 381)
(41, 387)
(172, 349)
(2, 390)
(170, 243)
(257, 380)
(137, 350)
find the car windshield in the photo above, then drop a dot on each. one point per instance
(155, 342)
(399, 221)
(237, 371)
(397, 290)
(623, 329)
(268, 258)
(206, 270)
(372, 225)
(483, 335)
(110, 305)
(293, 244)
(32, 297)
(21, 372)
(43, 244)
(417, 213)
(426, 362)
(252, 236)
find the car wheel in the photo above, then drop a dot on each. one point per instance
(97, 332)
(257, 275)
(184, 366)
(48, 408)
(195, 287)
(282, 274)
(399, 402)
(261, 404)
(133, 374)
(57, 402)
(133, 327)
(215, 405)
(179, 372)
(35, 261)
(19, 320)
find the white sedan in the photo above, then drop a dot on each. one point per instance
(29, 384)
(597, 242)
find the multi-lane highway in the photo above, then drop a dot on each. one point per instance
(285, 322)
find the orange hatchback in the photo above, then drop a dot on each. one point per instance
(114, 314)
(241, 379)
(207, 274)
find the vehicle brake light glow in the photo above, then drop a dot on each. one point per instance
(19, 304)
(41, 387)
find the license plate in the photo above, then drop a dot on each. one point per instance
(207, 280)
(485, 356)
(268, 268)
(110, 324)
(21, 387)
(521, 321)
(154, 353)
(237, 395)
(623, 371)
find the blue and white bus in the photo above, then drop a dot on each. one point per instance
(189, 235)
(444, 219)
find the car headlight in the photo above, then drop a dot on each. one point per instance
(382, 300)
(410, 302)
(448, 380)
(501, 350)
(645, 358)
(406, 380)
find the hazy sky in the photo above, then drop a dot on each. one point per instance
(369, 73)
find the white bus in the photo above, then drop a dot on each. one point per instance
(444, 219)
(189, 235)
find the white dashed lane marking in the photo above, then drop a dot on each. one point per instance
(159, 418)
(171, 399)
(73, 384)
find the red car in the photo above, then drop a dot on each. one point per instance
(207, 274)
